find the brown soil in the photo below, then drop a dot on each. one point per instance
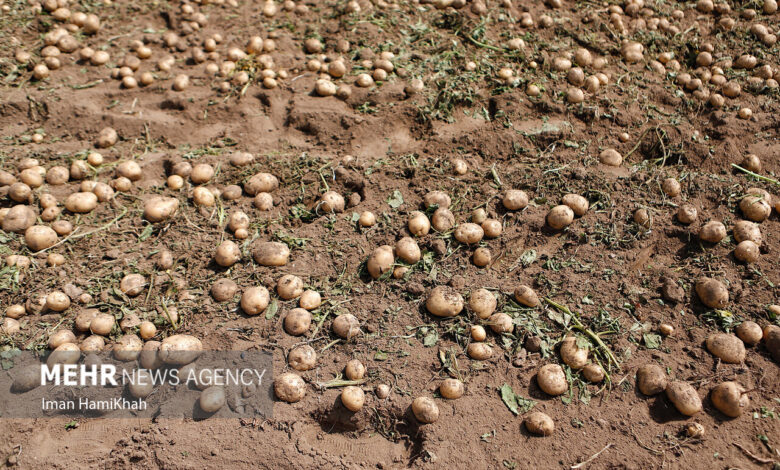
(603, 266)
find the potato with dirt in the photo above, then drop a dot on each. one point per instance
(539, 423)
(552, 380)
(651, 379)
(270, 253)
(684, 397)
(444, 301)
(728, 348)
(159, 208)
(712, 293)
(289, 388)
(483, 303)
(180, 349)
(425, 410)
(730, 398)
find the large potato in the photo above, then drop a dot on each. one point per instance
(102, 324)
(425, 410)
(437, 198)
(651, 379)
(180, 349)
(552, 380)
(302, 358)
(727, 347)
(289, 287)
(271, 253)
(19, 218)
(730, 398)
(572, 355)
(408, 250)
(772, 340)
(160, 208)
(469, 233)
(539, 423)
(749, 332)
(60, 337)
(261, 183)
(443, 301)
(297, 321)
(380, 261)
(346, 326)
(40, 237)
(255, 300)
(712, 293)
(483, 303)
(81, 203)
(127, 348)
(132, 284)
(289, 387)
(684, 397)
(560, 217)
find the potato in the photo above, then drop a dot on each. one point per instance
(501, 323)
(289, 387)
(241, 159)
(355, 370)
(671, 187)
(149, 357)
(712, 293)
(331, 201)
(684, 397)
(93, 344)
(687, 214)
(353, 398)
(106, 138)
(483, 303)
(560, 217)
(418, 224)
(238, 220)
(20, 192)
(255, 300)
(223, 290)
(539, 423)
(749, 332)
(289, 287)
(10, 326)
(730, 399)
(572, 355)
(552, 380)
(492, 228)
(212, 399)
(437, 198)
(747, 230)
(443, 301)
(712, 232)
(130, 170)
(310, 300)
(130, 321)
(127, 348)
(271, 253)
(180, 350)
(368, 219)
(526, 296)
(19, 218)
(578, 204)
(610, 157)
(515, 200)
(62, 227)
(261, 183)
(57, 301)
(728, 348)
(297, 321)
(443, 220)
(132, 284)
(469, 233)
(772, 341)
(425, 410)
(651, 379)
(479, 351)
(228, 253)
(60, 337)
(40, 237)
(382, 391)
(147, 330)
(755, 207)
(451, 389)
(380, 261)
(346, 326)
(103, 192)
(15, 311)
(593, 373)
(201, 173)
(302, 358)
(102, 324)
(747, 251)
(407, 249)
(26, 379)
(159, 208)
(666, 329)
(694, 430)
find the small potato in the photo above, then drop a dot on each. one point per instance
(578, 204)
(346, 326)
(261, 183)
(651, 379)
(526, 296)
(297, 322)
(17, 311)
(107, 137)
(712, 232)
(237, 220)
(684, 397)
(687, 214)
(201, 173)
(353, 398)
(443, 220)
(593, 373)
(61, 337)
(749, 332)
(438, 199)
(515, 200)
(160, 208)
(289, 387)
(103, 192)
(180, 350)
(228, 253)
(212, 399)
(610, 157)
(539, 423)
(482, 257)
(132, 284)
(127, 348)
(175, 182)
(712, 293)
(747, 230)
(367, 219)
(149, 357)
(289, 287)
(418, 224)
(479, 351)
(202, 196)
(573, 355)
(66, 353)
(263, 201)
(332, 201)
(501, 323)
(666, 329)
(671, 187)
(58, 302)
(382, 391)
(102, 324)
(469, 233)
(302, 358)
(730, 399)
(310, 300)
(223, 290)
(560, 217)
(271, 253)
(40, 237)
(483, 303)
(380, 261)
(164, 259)
(491, 227)
(747, 251)
(478, 333)
(425, 410)
(10, 326)
(255, 300)
(355, 370)
(443, 301)
(728, 348)
(552, 380)
(147, 330)
(451, 389)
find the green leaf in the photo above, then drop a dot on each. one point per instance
(271, 310)
(396, 199)
(148, 230)
(528, 257)
(431, 339)
(515, 402)
(380, 356)
(652, 341)
(355, 217)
